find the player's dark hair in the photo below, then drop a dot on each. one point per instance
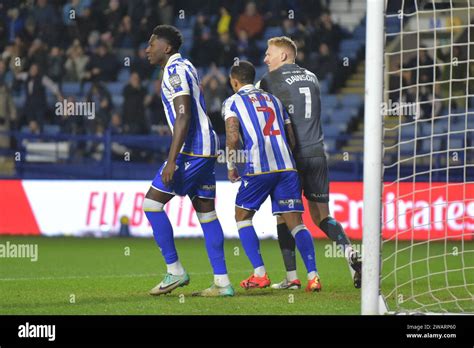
(243, 71)
(170, 34)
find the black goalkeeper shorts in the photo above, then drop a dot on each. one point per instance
(313, 173)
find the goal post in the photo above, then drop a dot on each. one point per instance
(372, 156)
(418, 218)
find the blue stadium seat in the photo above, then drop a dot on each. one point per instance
(392, 25)
(349, 45)
(51, 129)
(71, 88)
(407, 131)
(330, 143)
(456, 143)
(331, 131)
(440, 125)
(324, 86)
(329, 100)
(115, 88)
(117, 100)
(426, 144)
(354, 100)
(341, 116)
(124, 75)
(407, 147)
(271, 32)
(259, 72)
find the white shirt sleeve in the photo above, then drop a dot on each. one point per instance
(177, 80)
(227, 111)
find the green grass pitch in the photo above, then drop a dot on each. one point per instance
(113, 276)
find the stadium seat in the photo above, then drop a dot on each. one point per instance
(329, 100)
(440, 125)
(51, 129)
(341, 115)
(71, 88)
(259, 72)
(331, 131)
(116, 88)
(124, 75)
(353, 100)
(407, 131)
(330, 143)
(272, 32)
(117, 100)
(407, 147)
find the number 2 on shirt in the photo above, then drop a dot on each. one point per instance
(271, 118)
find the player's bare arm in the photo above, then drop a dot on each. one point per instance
(182, 105)
(232, 143)
(290, 135)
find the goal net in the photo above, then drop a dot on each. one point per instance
(427, 250)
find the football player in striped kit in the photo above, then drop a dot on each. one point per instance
(189, 169)
(270, 171)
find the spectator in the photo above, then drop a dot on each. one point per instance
(246, 48)
(201, 25)
(116, 124)
(155, 112)
(47, 22)
(56, 65)
(36, 84)
(15, 23)
(76, 63)
(214, 86)
(250, 21)
(227, 50)
(204, 51)
(326, 62)
(134, 106)
(223, 22)
(7, 110)
(141, 65)
(165, 12)
(102, 66)
(328, 32)
(100, 96)
(113, 15)
(38, 54)
(125, 38)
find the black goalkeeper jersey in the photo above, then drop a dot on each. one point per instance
(298, 90)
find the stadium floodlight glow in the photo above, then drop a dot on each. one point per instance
(419, 159)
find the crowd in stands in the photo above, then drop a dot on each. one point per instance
(46, 45)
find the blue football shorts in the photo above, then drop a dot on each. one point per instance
(194, 177)
(284, 188)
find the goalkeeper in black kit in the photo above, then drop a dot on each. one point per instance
(298, 90)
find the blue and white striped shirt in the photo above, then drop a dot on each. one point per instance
(180, 78)
(262, 118)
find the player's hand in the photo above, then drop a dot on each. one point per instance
(233, 175)
(168, 173)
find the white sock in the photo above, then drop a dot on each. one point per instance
(348, 252)
(221, 280)
(259, 271)
(312, 274)
(175, 268)
(291, 275)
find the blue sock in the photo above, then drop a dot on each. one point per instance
(214, 238)
(250, 242)
(304, 243)
(162, 230)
